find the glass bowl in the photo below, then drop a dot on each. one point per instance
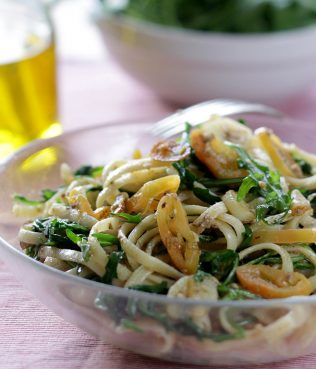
(148, 324)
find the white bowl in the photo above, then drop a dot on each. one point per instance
(187, 66)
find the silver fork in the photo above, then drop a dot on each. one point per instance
(196, 114)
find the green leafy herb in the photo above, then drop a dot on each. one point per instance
(304, 165)
(80, 241)
(270, 258)
(206, 238)
(186, 133)
(106, 239)
(221, 264)
(186, 176)
(266, 183)
(95, 189)
(32, 251)
(243, 122)
(205, 194)
(230, 293)
(128, 324)
(24, 200)
(247, 237)
(111, 267)
(130, 218)
(46, 195)
(54, 229)
(189, 180)
(161, 288)
(88, 170)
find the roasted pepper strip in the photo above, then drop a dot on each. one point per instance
(271, 283)
(147, 197)
(281, 159)
(175, 232)
(220, 159)
(284, 236)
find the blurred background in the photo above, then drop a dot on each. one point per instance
(75, 63)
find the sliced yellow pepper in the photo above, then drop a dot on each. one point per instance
(285, 236)
(180, 241)
(147, 197)
(281, 159)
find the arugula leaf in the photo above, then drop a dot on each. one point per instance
(247, 238)
(128, 324)
(205, 238)
(72, 236)
(266, 183)
(205, 194)
(95, 189)
(221, 264)
(230, 293)
(106, 239)
(24, 200)
(130, 218)
(186, 133)
(304, 165)
(54, 229)
(161, 288)
(186, 176)
(80, 241)
(271, 258)
(190, 181)
(46, 195)
(303, 265)
(111, 267)
(201, 185)
(88, 170)
(40, 224)
(243, 122)
(247, 184)
(32, 251)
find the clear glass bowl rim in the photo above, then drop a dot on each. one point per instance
(119, 291)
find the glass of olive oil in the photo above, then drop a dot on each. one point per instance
(28, 99)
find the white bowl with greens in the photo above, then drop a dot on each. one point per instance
(265, 53)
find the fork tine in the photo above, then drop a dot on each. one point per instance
(165, 124)
(200, 113)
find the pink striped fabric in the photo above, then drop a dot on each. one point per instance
(30, 335)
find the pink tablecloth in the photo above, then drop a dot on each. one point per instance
(31, 336)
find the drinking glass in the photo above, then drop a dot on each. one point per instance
(28, 99)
